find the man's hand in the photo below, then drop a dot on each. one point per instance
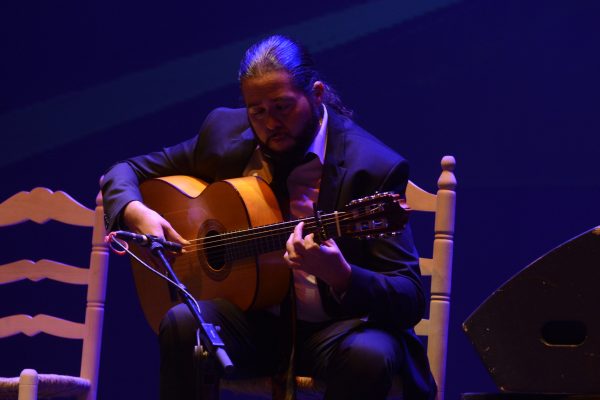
(325, 261)
(141, 219)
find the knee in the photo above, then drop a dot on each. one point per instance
(372, 358)
(178, 326)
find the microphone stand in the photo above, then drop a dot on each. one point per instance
(209, 344)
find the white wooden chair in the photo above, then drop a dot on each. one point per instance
(41, 205)
(438, 267)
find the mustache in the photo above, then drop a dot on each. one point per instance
(279, 133)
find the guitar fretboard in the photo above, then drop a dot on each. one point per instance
(231, 246)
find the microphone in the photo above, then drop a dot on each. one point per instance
(146, 240)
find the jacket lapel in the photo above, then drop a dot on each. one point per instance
(333, 170)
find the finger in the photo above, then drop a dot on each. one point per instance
(329, 243)
(174, 236)
(292, 255)
(290, 263)
(289, 245)
(298, 230)
(329, 247)
(298, 240)
(309, 242)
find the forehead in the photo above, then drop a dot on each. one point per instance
(271, 86)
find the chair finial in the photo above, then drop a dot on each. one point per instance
(447, 179)
(99, 195)
(448, 163)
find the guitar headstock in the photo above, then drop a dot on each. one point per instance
(379, 215)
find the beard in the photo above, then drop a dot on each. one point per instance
(301, 144)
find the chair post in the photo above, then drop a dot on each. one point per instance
(28, 385)
(94, 315)
(442, 272)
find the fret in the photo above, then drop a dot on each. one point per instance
(337, 223)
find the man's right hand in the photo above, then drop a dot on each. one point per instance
(141, 219)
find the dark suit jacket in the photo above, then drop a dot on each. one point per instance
(385, 281)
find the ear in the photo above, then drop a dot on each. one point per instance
(318, 92)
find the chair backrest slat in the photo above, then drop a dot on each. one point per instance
(422, 328)
(426, 265)
(419, 199)
(43, 269)
(32, 326)
(41, 205)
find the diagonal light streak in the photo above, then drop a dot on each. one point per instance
(59, 120)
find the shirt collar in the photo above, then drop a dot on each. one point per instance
(319, 143)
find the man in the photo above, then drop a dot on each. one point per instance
(356, 301)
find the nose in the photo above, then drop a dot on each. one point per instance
(272, 123)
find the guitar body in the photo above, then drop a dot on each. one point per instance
(198, 211)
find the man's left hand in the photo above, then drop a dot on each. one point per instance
(325, 261)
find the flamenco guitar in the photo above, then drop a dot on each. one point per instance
(238, 239)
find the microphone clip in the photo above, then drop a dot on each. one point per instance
(151, 241)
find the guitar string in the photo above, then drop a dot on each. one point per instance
(280, 228)
(234, 250)
(278, 225)
(343, 216)
(259, 231)
(242, 239)
(266, 234)
(285, 225)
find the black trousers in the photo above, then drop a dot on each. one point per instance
(355, 359)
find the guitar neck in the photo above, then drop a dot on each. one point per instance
(265, 239)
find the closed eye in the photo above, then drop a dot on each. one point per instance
(256, 112)
(284, 106)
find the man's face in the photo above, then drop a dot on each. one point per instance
(281, 115)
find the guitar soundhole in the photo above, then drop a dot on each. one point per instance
(215, 256)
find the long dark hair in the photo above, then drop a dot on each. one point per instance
(276, 53)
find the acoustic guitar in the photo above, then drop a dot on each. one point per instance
(238, 239)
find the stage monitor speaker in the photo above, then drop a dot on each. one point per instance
(540, 331)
